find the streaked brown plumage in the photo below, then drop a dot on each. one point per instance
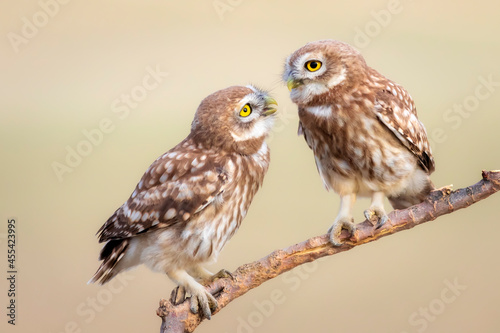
(192, 199)
(363, 130)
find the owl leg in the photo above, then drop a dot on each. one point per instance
(377, 209)
(343, 220)
(205, 277)
(200, 297)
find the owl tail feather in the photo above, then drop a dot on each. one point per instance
(410, 198)
(111, 254)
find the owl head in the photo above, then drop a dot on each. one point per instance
(236, 119)
(320, 67)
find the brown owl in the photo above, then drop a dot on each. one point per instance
(363, 129)
(192, 199)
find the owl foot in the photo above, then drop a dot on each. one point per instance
(379, 213)
(199, 299)
(204, 301)
(205, 277)
(336, 229)
(222, 274)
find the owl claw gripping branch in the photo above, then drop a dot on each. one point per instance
(363, 130)
(193, 198)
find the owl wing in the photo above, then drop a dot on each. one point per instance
(396, 110)
(176, 186)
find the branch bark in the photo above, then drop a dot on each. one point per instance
(177, 319)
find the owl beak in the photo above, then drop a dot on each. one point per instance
(271, 106)
(292, 84)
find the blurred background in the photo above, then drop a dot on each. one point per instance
(92, 92)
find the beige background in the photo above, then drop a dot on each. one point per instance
(64, 79)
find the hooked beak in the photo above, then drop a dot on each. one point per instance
(292, 84)
(271, 106)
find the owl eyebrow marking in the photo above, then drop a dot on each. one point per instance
(299, 62)
(252, 98)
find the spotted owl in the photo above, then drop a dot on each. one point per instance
(192, 199)
(362, 128)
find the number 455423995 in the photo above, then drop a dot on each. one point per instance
(11, 245)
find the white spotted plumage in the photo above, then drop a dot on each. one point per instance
(362, 127)
(193, 198)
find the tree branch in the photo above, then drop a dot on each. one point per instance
(177, 319)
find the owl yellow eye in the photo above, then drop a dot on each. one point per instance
(246, 110)
(313, 65)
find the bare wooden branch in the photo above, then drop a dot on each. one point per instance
(177, 319)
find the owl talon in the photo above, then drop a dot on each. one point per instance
(379, 213)
(201, 299)
(368, 214)
(336, 229)
(178, 295)
(222, 274)
(382, 221)
(204, 301)
(193, 304)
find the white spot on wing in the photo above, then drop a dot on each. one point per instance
(135, 216)
(170, 213)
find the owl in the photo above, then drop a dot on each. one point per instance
(192, 199)
(363, 130)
